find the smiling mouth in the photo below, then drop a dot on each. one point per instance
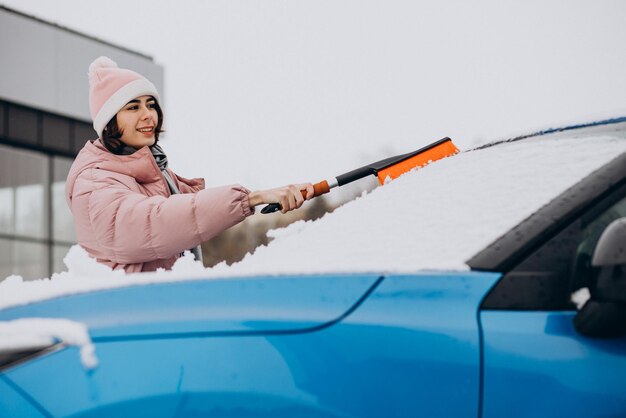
(145, 130)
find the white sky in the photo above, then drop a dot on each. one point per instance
(271, 92)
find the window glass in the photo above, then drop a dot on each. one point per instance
(23, 124)
(26, 259)
(6, 258)
(29, 210)
(592, 227)
(546, 279)
(2, 120)
(58, 253)
(56, 133)
(83, 132)
(7, 210)
(62, 222)
(23, 193)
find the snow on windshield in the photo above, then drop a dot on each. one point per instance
(438, 217)
(434, 218)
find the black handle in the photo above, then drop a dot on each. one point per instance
(271, 208)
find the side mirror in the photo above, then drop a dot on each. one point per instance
(611, 247)
(604, 314)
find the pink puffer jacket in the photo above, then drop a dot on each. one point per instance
(126, 217)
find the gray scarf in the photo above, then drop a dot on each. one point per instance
(161, 160)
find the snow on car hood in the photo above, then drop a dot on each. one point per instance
(434, 218)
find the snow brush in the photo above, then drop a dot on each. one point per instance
(389, 168)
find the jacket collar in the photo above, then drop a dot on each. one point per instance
(139, 165)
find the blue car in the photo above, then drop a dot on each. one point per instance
(496, 334)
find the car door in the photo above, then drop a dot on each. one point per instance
(535, 363)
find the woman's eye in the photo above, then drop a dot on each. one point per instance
(132, 108)
(152, 105)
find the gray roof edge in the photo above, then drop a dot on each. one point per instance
(75, 32)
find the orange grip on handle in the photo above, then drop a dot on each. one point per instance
(318, 189)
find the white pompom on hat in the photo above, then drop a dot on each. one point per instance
(111, 87)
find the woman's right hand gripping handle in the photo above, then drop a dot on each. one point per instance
(288, 197)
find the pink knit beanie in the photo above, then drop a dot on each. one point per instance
(111, 87)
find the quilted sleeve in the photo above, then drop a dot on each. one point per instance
(132, 228)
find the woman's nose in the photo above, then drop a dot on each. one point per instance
(145, 113)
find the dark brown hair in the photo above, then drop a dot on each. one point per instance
(112, 134)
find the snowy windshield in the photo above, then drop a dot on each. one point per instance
(437, 217)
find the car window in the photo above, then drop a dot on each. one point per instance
(547, 277)
(592, 226)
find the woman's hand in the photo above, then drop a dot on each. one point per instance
(289, 197)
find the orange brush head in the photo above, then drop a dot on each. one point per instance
(438, 152)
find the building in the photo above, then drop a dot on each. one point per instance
(44, 122)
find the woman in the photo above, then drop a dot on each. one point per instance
(130, 210)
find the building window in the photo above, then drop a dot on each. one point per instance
(83, 132)
(23, 124)
(36, 225)
(63, 234)
(58, 254)
(56, 132)
(26, 259)
(3, 123)
(62, 222)
(24, 211)
(23, 194)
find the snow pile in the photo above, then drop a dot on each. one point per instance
(580, 297)
(434, 218)
(85, 274)
(33, 333)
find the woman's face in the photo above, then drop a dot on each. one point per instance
(137, 121)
